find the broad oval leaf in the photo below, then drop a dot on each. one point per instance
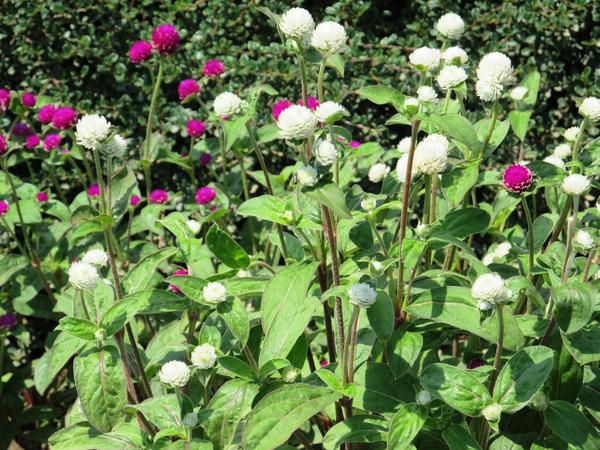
(139, 277)
(405, 425)
(382, 95)
(358, 429)
(575, 304)
(571, 426)
(226, 249)
(461, 223)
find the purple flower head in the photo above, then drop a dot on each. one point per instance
(134, 200)
(41, 197)
(313, 103)
(187, 87)
(28, 99)
(8, 320)
(279, 107)
(21, 129)
(354, 144)
(165, 39)
(140, 51)
(158, 196)
(4, 99)
(64, 118)
(195, 127)
(3, 144)
(32, 141)
(205, 195)
(93, 190)
(45, 113)
(323, 363)
(177, 273)
(213, 68)
(4, 207)
(475, 363)
(517, 178)
(205, 158)
(52, 141)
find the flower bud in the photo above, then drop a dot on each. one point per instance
(289, 374)
(492, 412)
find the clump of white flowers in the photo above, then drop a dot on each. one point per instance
(425, 58)
(402, 167)
(307, 176)
(499, 252)
(194, 226)
(404, 145)
(214, 292)
(494, 72)
(455, 56)
(227, 104)
(518, 93)
(96, 257)
(450, 25)
(377, 172)
(431, 155)
(555, 161)
(490, 288)
(329, 38)
(572, 133)
(562, 151)
(362, 295)
(297, 23)
(590, 108)
(488, 89)
(451, 77)
(576, 184)
(91, 130)
(175, 374)
(83, 276)
(296, 122)
(328, 112)
(325, 152)
(115, 147)
(584, 240)
(204, 356)
(426, 94)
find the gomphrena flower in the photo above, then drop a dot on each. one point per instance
(41, 197)
(518, 93)
(4, 207)
(96, 257)
(498, 253)
(177, 273)
(205, 195)
(165, 39)
(204, 356)
(425, 58)
(227, 104)
(175, 374)
(450, 25)
(404, 145)
(329, 38)
(354, 144)
(28, 99)
(576, 184)
(362, 295)
(51, 141)
(115, 147)
(451, 77)
(325, 152)
(63, 118)
(3, 144)
(494, 72)
(455, 56)
(194, 226)
(205, 158)
(21, 129)
(140, 51)
(32, 141)
(158, 196)
(572, 133)
(402, 168)
(187, 87)
(279, 107)
(517, 178)
(584, 240)
(555, 161)
(431, 155)
(195, 127)
(46, 113)
(134, 200)
(490, 288)
(329, 112)
(213, 68)
(562, 151)
(369, 203)
(426, 94)
(313, 103)
(590, 108)
(83, 276)
(297, 23)
(488, 89)
(307, 176)
(91, 130)
(296, 123)
(93, 190)
(4, 99)
(377, 172)
(7, 321)
(214, 292)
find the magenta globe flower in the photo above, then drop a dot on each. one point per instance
(41, 197)
(52, 141)
(313, 103)
(205, 195)
(4, 99)
(279, 107)
(140, 51)
(45, 113)
(195, 127)
(188, 87)
(134, 200)
(93, 190)
(517, 178)
(3, 144)
(4, 207)
(177, 273)
(64, 118)
(21, 129)
(165, 39)
(8, 320)
(28, 100)
(32, 141)
(213, 68)
(158, 196)
(205, 158)
(354, 144)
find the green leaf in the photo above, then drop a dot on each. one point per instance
(176, 223)
(80, 328)
(405, 425)
(190, 286)
(583, 344)
(237, 367)
(163, 411)
(459, 438)
(458, 128)
(504, 443)
(78, 437)
(542, 227)
(121, 187)
(382, 95)
(575, 304)
(119, 314)
(331, 196)
(9, 265)
(138, 278)
(265, 207)
(377, 390)
(457, 182)
(283, 411)
(532, 83)
(246, 286)
(381, 316)
(234, 130)
(457, 387)
(565, 420)
(403, 350)
(51, 363)
(100, 382)
(461, 223)
(235, 316)
(357, 429)
(519, 122)
(226, 249)
(522, 377)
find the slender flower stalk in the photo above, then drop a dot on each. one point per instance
(490, 131)
(530, 246)
(146, 157)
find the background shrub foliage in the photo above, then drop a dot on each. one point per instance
(58, 386)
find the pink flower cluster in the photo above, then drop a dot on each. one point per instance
(205, 158)
(51, 141)
(4, 207)
(165, 40)
(213, 68)
(517, 178)
(3, 145)
(195, 127)
(93, 190)
(64, 118)
(187, 87)
(140, 51)
(28, 99)
(177, 273)
(134, 200)
(205, 195)
(41, 197)
(284, 104)
(4, 99)
(32, 141)
(158, 196)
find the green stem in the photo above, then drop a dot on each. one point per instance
(378, 236)
(151, 112)
(490, 130)
(531, 249)
(447, 101)
(348, 369)
(320, 90)
(100, 180)
(575, 150)
(221, 137)
(83, 306)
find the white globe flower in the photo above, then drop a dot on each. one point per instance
(425, 58)
(423, 398)
(404, 145)
(555, 161)
(296, 122)
(96, 257)
(562, 151)
(426, 94)
(572, 133)
(307, 176)
(488, 89)
(83, 276)
(451, 77)
(455, 56)
(329, 38)
(115, 147)
(91, 130)
(194, 226)
(411, 104)
(492, 412)
(402, 167)
(497, 67)
(289, 374)
(369, 203)
(502, 250)
(377, 172)
(584, 240)
(204, 356)
(590, 108)
(227, 104)
(450, 25)
(483, 305)
(488, 259)
(576, 184)
(490, 288)
(175, 374)
(330, 112)
(431, 155)
(377, 266)
(214, 292)
(297, 23)
(325, 152)
(518, 93)
(362, 295)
